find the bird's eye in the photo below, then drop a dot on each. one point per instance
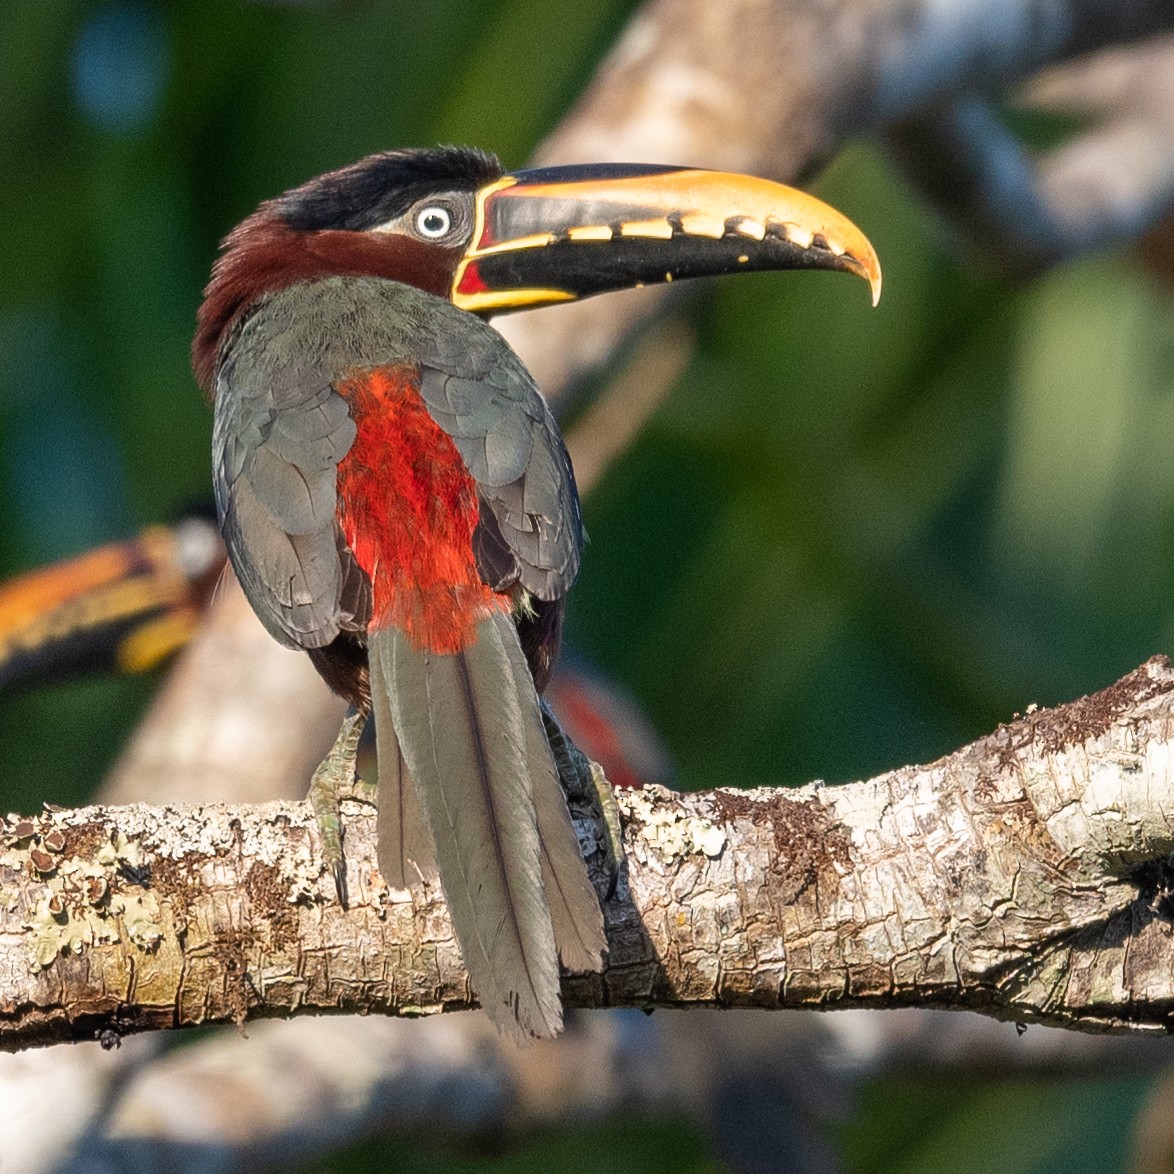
(433, 222)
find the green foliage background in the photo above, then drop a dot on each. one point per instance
(851, 539)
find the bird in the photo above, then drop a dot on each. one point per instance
(125, 606)
(396, 498)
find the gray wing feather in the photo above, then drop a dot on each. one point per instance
(496, 561)
(291, 579)
(511, 445)
(278, 435)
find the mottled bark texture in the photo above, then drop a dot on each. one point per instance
(1025, 875)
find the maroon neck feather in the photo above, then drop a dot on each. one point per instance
(263, 254)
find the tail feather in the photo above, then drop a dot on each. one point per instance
(469, 749)
(403, 845)
(574, 906)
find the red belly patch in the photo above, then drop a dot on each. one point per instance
(408, 508)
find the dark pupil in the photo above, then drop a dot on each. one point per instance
(434, 222)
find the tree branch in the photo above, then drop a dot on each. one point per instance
(1025, 876)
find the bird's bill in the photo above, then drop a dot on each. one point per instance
(555, 234)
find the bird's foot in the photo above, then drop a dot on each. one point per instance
(335, 776)
(585, 783)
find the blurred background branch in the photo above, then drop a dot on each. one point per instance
(859, 538)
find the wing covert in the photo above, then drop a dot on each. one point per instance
(531, 530)
(278, 435)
